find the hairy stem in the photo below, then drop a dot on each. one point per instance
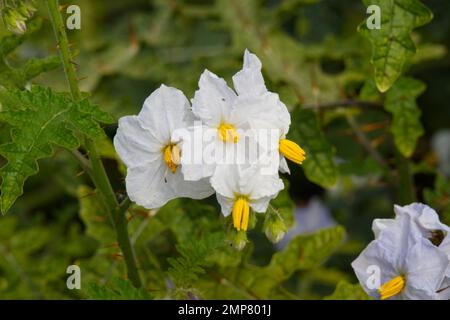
(99, 175)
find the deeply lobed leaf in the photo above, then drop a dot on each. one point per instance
(40, 118)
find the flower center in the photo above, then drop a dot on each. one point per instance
(241, 212)
(292, 151)
(227, 132)
(392, 287)
(172, 155)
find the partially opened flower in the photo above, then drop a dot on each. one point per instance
(401, 264)
(240, 188)
(145, 144)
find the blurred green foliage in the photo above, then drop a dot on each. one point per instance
(320, 65)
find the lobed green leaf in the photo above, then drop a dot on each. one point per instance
(392, 44)
(319, 166)
(40, 119)
(400, 102)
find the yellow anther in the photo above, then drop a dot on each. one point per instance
(172, 154)
(292, 151)
(392, 287)
(227, 132)
(241, 213)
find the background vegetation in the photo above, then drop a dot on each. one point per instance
(366, 149)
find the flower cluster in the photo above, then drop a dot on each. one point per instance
(409, 258)
(156, 145)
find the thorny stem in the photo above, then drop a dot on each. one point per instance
(99, 175)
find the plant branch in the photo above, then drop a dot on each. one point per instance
(365, 142)
(99, 175)
(84, 163)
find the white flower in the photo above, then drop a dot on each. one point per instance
(410, 267)
(228, 113)
(429, 226)
(239, 188)
(145, 144)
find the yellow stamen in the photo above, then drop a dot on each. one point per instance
(227, 132)
(392, 287)
(172, 154)
(292, 151)
(241, 212)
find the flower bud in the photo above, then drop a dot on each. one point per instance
(26, 9)
(238, 239)
(274, 228)
(14, 21)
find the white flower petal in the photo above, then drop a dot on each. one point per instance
(444, 290)
(249, 80)
(374, 257)
(261, 204)
(424, 216)
(213, 100)
(379, 225)
(231, 180)
(265, 112)
(195, 172)
(225, 180)
(145, 185)
(189, 189)
(257, 185)
(284, 168)
(425, 266)
(164, 111)
(152, 185)
(226, 204)
(135, 145)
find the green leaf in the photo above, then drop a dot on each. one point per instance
(318, 165)
(392, 43)
(305, 252)
(95, 216)
(400, 102)
(347, 291)
(40, 118)
(194, 257)
(117, 289)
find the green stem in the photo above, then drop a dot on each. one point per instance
(99, 175)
